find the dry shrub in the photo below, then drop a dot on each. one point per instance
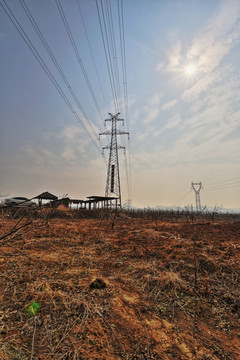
(107, 266)
(170, 279)
(166, 281)
(63, 208)
(207, 264)
(10, 352)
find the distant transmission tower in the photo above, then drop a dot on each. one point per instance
(197, 194)
(113, 188)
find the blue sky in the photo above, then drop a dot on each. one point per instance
(183, 127)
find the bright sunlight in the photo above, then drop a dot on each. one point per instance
(190, 69)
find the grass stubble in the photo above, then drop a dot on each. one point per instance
(136, 290)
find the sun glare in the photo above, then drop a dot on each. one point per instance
(190, 69)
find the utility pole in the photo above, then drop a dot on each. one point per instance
(113, 188)
(197, 194)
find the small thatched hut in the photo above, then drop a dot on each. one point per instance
(45, 196)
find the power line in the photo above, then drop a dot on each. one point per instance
(109, 41)
(223, 187)
(123, 57)
(63, 17)
(44, 42)
(214, 177)
(114, 52)
(91, 52)
(224, 182)
(125, 88)
(114, 73)
(128, 177)
(125, 95)
(32, 48)
(107, 55)
(183, 197)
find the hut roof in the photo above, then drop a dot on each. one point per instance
(76, 201)
(46, 196)
(100, 198)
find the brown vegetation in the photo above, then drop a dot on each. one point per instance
(118, 287)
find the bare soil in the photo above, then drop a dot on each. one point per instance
(122, 289)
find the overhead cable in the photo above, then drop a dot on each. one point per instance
(223, 182)
(91, 52)
(106, 22)
(183, 197)
(107, 18)
(65, 22)
(110, 55)
(123, 57)
(106, 52)
(47, 47)
(127, 177)
(32, 48)
(114, 52)
(125, 88)
(223, 187)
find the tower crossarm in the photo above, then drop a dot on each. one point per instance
(118, 132)
(118, 147)
(197, 184)
(107, 132)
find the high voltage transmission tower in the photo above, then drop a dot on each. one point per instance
(197, 194)
(113, 188)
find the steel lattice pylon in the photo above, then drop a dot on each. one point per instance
(113, 188)
(197, 194)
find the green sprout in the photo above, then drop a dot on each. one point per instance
(33, 308)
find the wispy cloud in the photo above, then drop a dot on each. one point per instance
(152, 109)
(213, 43)
(65, 146)
(173, 122)
(160, 66)
(169, 105)
(208, 133)
(217, 37)
(172, 57)
(73, 142)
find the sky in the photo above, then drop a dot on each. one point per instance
(181, 104)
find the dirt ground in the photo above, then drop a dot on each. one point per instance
(119, 289)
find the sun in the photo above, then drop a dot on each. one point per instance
(190, 69)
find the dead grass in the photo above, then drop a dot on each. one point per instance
(126, 292)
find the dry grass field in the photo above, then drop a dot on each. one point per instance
(118, 288)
